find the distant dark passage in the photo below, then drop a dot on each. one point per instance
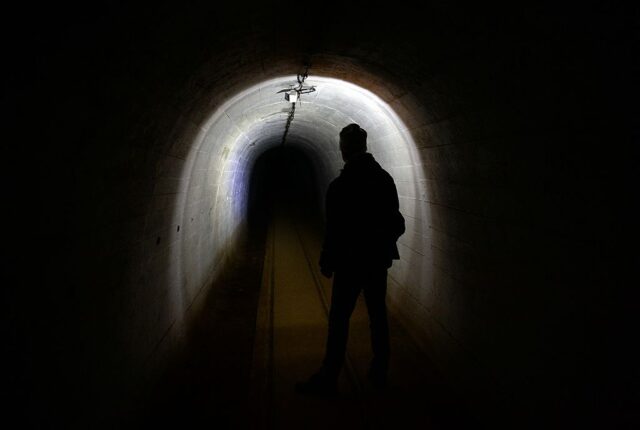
(282, 177)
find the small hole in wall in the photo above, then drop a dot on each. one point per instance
(158, 241)
(178, 229)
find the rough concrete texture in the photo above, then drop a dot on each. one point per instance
(503, 131)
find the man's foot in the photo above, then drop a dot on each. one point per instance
(318, 385)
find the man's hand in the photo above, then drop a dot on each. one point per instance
(326, 272)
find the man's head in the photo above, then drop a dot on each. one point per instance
(353, 141)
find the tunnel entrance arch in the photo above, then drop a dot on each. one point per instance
(214, 158)
(236, 134)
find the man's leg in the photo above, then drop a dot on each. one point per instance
(375, 292)
(344, 294)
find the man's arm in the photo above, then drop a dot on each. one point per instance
(396, 221)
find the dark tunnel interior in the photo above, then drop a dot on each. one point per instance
(282, 178)
(143, 166)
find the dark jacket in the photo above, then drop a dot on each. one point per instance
(363, 220)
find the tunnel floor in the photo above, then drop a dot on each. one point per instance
(264, 328)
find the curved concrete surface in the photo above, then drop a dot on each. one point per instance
(213, 176)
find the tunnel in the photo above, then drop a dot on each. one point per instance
(152, 154)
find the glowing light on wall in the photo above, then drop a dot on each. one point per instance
(213, 207)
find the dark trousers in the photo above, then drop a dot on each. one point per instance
(347, 285)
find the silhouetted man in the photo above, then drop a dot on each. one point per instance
(363, 225)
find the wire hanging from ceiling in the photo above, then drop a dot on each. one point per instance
(295, 94)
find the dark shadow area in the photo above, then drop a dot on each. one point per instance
(417, 396)
(207, 382)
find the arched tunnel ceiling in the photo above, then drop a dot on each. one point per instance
(259, 115)
(220, 158)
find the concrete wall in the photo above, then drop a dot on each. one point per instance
(510, 160)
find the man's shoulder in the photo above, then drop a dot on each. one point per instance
(369, 172)
(381, 174)
(384, 172)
